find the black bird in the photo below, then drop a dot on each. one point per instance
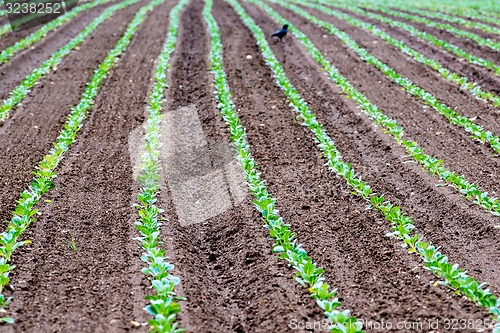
(282, 33)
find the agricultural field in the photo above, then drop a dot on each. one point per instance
(169, 166)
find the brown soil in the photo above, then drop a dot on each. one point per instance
(231, 279)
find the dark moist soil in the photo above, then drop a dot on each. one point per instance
(483, 76)
(97, 288)
(231, 279)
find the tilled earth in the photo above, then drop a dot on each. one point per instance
(231, 279)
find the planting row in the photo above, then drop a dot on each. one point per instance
(307, 273)
(24, 213)
(24, 88)
(163, 306)
(445, 73)
(421, 35)
(402, 227)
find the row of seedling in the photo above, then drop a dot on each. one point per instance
(464, 83)
(306, 271)
(164, 304)
(419, 34)
(25, 86)
(25, 211)
(402, 226)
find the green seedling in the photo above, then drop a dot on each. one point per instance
(71, 245)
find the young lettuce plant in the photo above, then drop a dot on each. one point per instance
(24, 88)
(24, 213)
(402, 227)
(163, 306)
(307, 273)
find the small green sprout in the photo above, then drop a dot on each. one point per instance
(71, 245)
